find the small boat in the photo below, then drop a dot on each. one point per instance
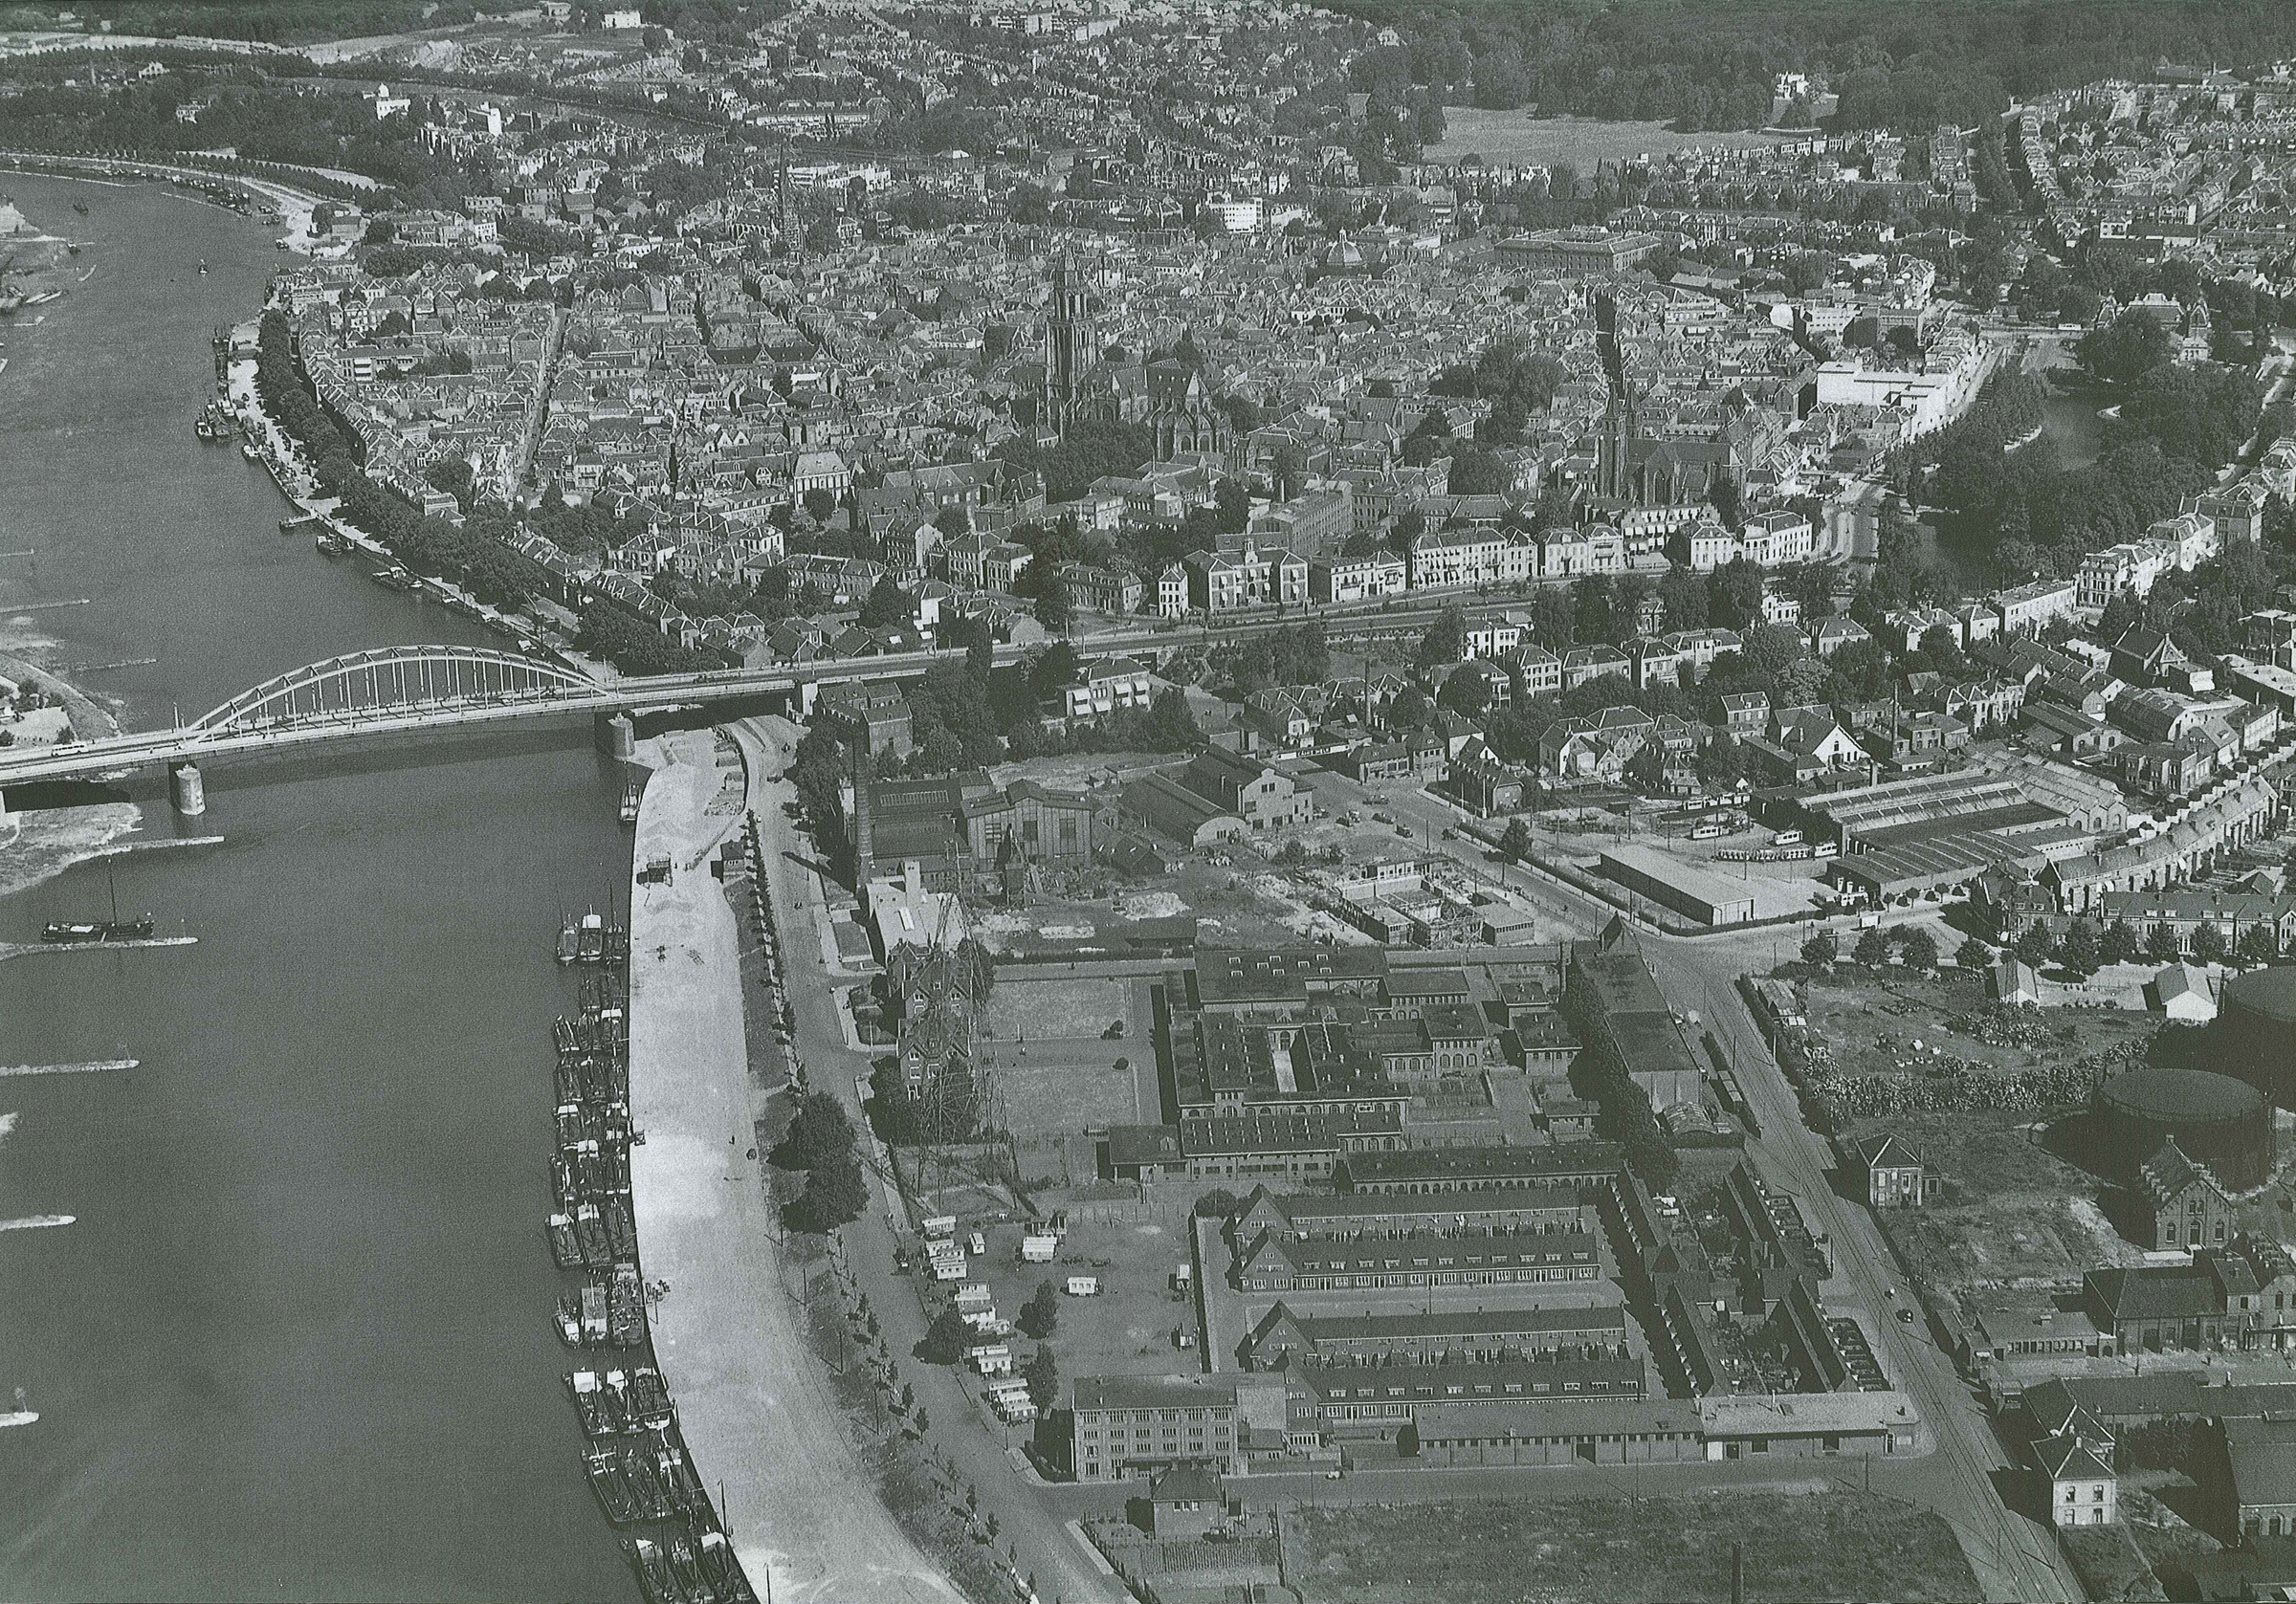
(646, 1488)
(396, 578)
(565, 1246)
(611, 1485)
(594, 1331)
(203, 268)
(81, 207)
(649, 1398)
(620, 1230)
(567, 1077)
(600, 1410)
(57, 932)
(248, 451)
(721, 1570)
(332, 544)
(630, 804)
(570, 1320)
(617, 945)
(686, 1565)
(591, 938)
(128, 930)
(563, 1034)
(597, 1249)
(626, 1307)
(653, 1571)
(205, 429)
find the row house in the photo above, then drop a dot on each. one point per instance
(1107, 590)
(1458, 558)
(1358, 579)
(1774, 539)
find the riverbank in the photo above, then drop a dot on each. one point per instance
(729, 1333)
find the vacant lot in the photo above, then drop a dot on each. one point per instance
(1022, 1009)
(1814, 1546)
(1873, 1019)
(1513, 136)
(1127, 1327)
(1054, 1091)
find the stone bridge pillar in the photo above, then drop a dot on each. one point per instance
(187, 789)
(807, 692)
(617, 735)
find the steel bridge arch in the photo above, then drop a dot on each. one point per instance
(393, 679)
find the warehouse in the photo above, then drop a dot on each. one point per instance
(1707, 898)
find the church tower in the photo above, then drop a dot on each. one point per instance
(1073, 342)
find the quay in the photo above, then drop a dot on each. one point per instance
(730, 1334)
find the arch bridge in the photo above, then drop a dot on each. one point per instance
(392, 681)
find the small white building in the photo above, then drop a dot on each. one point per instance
(2083, 1489)
(2184, 992)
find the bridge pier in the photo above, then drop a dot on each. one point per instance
(617, 735)
(805, 694)
(187, 789)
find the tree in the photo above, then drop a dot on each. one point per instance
(1823, 948)
(888, 604)
(1919, 951)
(1219, 1203)
(2160, 944)
(2132, 345)
(1042, 1373)
(819, 503)
(835, 1193)
(2258, 944)
(2078, 951)
(2119, 943)
(2036, 946)
(2208, 944)
(1515, 842)
(1872, 949)
(1974, 954)
(1234, 506)
(1444, 641)
(1040, 1315)
(945, 1340)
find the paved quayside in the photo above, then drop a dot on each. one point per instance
(756, 1407)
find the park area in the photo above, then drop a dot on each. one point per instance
(1619, 1550)
(1517, 139)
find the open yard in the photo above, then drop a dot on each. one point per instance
(1127, 1327)
(1620, 1550)
(1519, 139)
(1023, 1008)
(1873, 1021)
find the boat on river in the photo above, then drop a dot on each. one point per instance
(332, 544)
(570, 1320)
(590, 937)
(630, 804)
(686, 1565)
(653, 1571)
(599, 1406)
(597, 1248)
(722, 1570)
(569, 943)
(626, 1306)
(620, 1230)
(594, 1331)
(648, 1399)
(611, 1484)
(565, 1245)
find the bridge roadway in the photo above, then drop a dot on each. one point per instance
(118, 755)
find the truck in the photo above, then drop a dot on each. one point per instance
(1084, 1286)
(1039, 1249)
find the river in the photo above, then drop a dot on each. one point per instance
(297, 1343)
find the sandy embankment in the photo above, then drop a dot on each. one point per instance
(752, 1399)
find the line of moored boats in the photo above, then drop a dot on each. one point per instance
(635, 1457)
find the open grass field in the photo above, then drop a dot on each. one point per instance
(1620, 1551)
(1127, 1327)
(1510, 138)
(1053, 1096)
(1024, 1009)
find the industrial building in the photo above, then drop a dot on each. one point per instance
(1710, 899)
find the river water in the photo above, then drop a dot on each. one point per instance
(297, 1343)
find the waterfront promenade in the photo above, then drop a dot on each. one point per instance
(766, 1434)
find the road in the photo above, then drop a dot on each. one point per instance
(971, 1451)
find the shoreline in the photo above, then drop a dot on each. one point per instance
(754, 1406)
